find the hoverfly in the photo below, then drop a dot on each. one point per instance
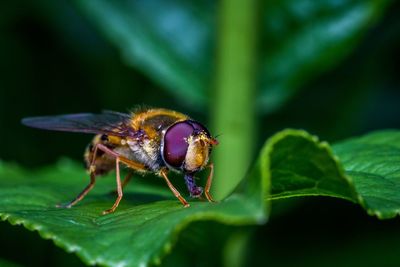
(149, 140)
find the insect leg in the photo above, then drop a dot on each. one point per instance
(173, 189)
(126, 180)
(130, 163)
(88, 187)
(208, 184)
(119, 189)
(81, 194)
(118, 158)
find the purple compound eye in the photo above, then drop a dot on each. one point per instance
(175, 145)
(199, 127)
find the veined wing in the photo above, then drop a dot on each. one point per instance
(108, 122)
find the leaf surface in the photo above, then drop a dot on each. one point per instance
(142, 229)
(373, 163)
(292, 163)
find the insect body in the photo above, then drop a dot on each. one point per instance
(150, 140)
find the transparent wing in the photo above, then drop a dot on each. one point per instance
(108, 122)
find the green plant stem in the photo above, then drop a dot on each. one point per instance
(233, 109)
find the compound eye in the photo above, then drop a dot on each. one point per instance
(175, 144)
(198, 127)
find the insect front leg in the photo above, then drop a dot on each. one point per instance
(173, 189)
(208, 184)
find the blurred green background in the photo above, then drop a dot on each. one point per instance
(329, 67)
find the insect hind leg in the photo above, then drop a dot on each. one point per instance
(92, 168)
(86, 190)
(81, 194)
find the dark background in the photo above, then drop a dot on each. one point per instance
(45, 69)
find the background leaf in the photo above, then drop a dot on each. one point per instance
(5, 263)
(300, 40)
(303, 39)
(170, 41)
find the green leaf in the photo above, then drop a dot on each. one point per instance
(368, 172)
(167, 40)
(6, 263)
(142, 229)
(300, 165)
(373, 162)
(303, 39)
(172, 42)
(292, 163)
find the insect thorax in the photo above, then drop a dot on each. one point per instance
(146, 152)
